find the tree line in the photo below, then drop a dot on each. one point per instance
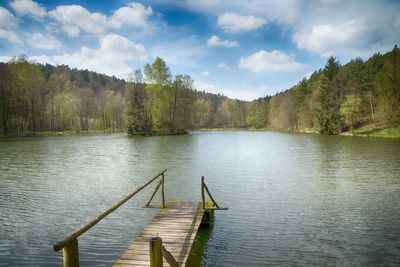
(341, 98)
(37, 98)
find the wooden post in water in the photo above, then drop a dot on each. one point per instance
(156, 259)
(202, 193)
(71, 254)
(162, 191)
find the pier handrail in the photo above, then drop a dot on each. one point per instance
(203, 198)
(70, 243)
(158, 252)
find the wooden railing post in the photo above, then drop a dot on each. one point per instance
(202, 193)
(162, 191)
(71, 254)
(69, 244)
(154, 193)
(156, 259)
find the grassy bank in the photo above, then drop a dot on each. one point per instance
(364, 131)
(389, 133)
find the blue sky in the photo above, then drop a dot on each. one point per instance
(243, 49)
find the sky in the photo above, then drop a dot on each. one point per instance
(242, 49)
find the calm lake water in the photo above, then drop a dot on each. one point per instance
(304, 200)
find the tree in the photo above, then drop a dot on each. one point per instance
(182, 103)
(135, 76)
(328, 110)
(388, 85)
(139, 121)
(7, 81)
(86, 107)
(349, 108)
(30, 82)
(373, 66)
(157, 72)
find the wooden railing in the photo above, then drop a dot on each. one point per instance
(158, 252)
(203, 198)
(69, 244)
(157, 249)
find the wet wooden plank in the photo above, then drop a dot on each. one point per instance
(177, 225)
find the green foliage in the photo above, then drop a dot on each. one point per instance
(388, 88)
(42, 98)
(349, 108)
(157, 72)
(327, 111)
(35, 98)
(138, 127)
(390, 132)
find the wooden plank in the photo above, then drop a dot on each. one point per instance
(176, 225)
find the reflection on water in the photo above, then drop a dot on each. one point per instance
(197, 254)
(293, 199)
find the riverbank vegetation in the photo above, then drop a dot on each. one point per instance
(358, 98)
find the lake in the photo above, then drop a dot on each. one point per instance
(294, 199)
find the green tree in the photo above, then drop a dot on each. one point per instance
(139, 121)
(388, 85)
(182, 104)
(373, 66)
(7, 82)
(328, 109)
(349, 109)
(157, 72)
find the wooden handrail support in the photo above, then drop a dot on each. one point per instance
(203, 199)
(154, 193)
(70, 243)
(158, 252)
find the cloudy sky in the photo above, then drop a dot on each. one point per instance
(243, 49)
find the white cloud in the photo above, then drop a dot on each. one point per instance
(29, 8)
(232, 22)
(205, 73)
(275, 60)
(215, 41)
(281, 11)
(75, 18)
(8, 24)
(47, 42)
(135, 14)
(302, 16)
(7, 20)
(112, 57)
(223, 66)
(353, 37)
(10, 36)
(5, 58)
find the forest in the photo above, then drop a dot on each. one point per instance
(337, 98)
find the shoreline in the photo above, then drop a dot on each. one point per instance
(392, 133)
(60, 133)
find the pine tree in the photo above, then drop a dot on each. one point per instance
(328, 109)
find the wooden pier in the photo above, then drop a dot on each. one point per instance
(176, 225)
(165, 241)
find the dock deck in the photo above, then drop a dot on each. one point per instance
(165, 241)
(177, 225)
